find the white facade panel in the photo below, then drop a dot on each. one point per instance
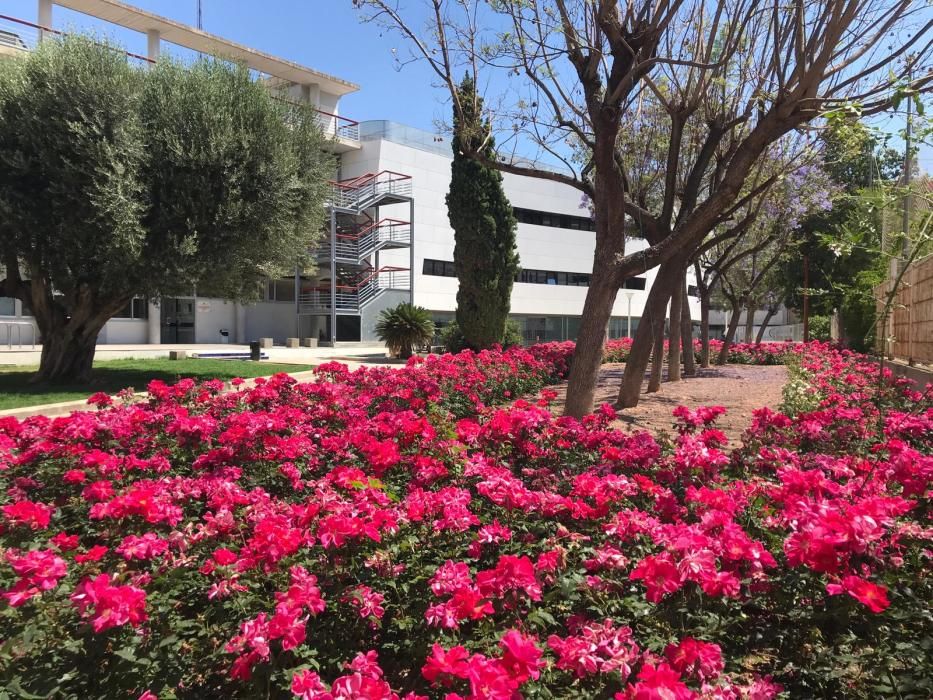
(539, 247)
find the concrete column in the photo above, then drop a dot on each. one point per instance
(154, 323)
(239, 323)
(44, 17)
(411, 251)
(153, 46)
(311, 94)
(333, 277)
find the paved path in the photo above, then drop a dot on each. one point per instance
(67, 407)
(740, 388)
(299, 356)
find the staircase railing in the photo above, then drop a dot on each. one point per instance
(352, 298)
(361, 192)
(356, 245)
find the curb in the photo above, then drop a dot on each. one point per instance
(64, 408)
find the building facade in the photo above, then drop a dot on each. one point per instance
(387, 238)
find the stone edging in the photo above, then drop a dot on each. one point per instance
(64, 408)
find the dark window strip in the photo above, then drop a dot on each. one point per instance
(445, 268)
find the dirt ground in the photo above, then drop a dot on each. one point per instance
(740, 388)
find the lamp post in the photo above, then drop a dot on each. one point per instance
(628, 330)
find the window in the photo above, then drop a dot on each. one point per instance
(137, 308)
(282, 289)
(692, 291)
(635, 283)
(438, 268)
(554, 220)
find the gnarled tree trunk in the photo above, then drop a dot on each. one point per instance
(730, 332)
(588, 355)
(645, 336)
(673, 348)
(704, 329)
(607, 277)
(686, 333)
(69, 336)
(657, 358)
(772, 310)
(749, 321)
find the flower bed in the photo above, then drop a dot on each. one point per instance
(391, 534)
(739, 353)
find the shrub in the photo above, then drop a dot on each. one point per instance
(390, 533)
(820, 328)
(405, 327)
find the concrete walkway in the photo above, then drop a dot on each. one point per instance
(353, 356)
(26, 356)
(65, 408)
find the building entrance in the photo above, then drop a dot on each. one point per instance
(178, 320)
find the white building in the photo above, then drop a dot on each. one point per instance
(389, 239)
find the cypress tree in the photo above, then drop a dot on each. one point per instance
(485, 257)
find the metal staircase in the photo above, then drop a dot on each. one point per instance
(351, 298)
(350, 276)
(354, 244)
(372, 189)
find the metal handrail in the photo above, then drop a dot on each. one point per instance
(42, 28)
(18, 325)
(355, 297)
(358, 245)
(359, 192)
(332, 125)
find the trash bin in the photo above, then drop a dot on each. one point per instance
(224, 336)
(254, 350)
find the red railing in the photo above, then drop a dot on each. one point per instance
(362, 191)
(30, 42)
(362, 283)
(370, 227)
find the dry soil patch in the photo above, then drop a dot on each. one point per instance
(740, 388)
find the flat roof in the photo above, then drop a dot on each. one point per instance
(190, 37)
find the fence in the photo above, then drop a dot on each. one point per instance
(910, 325)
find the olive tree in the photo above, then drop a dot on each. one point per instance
(120, 180)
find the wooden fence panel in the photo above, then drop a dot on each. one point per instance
(911, 323)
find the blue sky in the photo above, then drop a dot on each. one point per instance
(322, 34)
(326, 35)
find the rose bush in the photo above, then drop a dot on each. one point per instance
(393, 534)
(771, 353)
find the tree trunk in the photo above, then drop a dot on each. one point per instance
(749, 321)
(772, 310)
(588, 355)
(657, 359)
(673, 348)
(66, 357)
(730, 333)
(69, 337)
(704, 329)
(686, 333)
(644, 340)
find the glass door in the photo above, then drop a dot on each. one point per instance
(178, 320)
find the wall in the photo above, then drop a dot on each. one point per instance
(910, 325)
(210, 315)
(124, 331)
(370, 314)
(271, 319)
(539, 247)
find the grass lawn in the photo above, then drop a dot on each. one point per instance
(113, 375)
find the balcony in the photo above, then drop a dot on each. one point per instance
(343, 132)
(18, 35)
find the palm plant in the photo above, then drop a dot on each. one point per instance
(404, 327)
